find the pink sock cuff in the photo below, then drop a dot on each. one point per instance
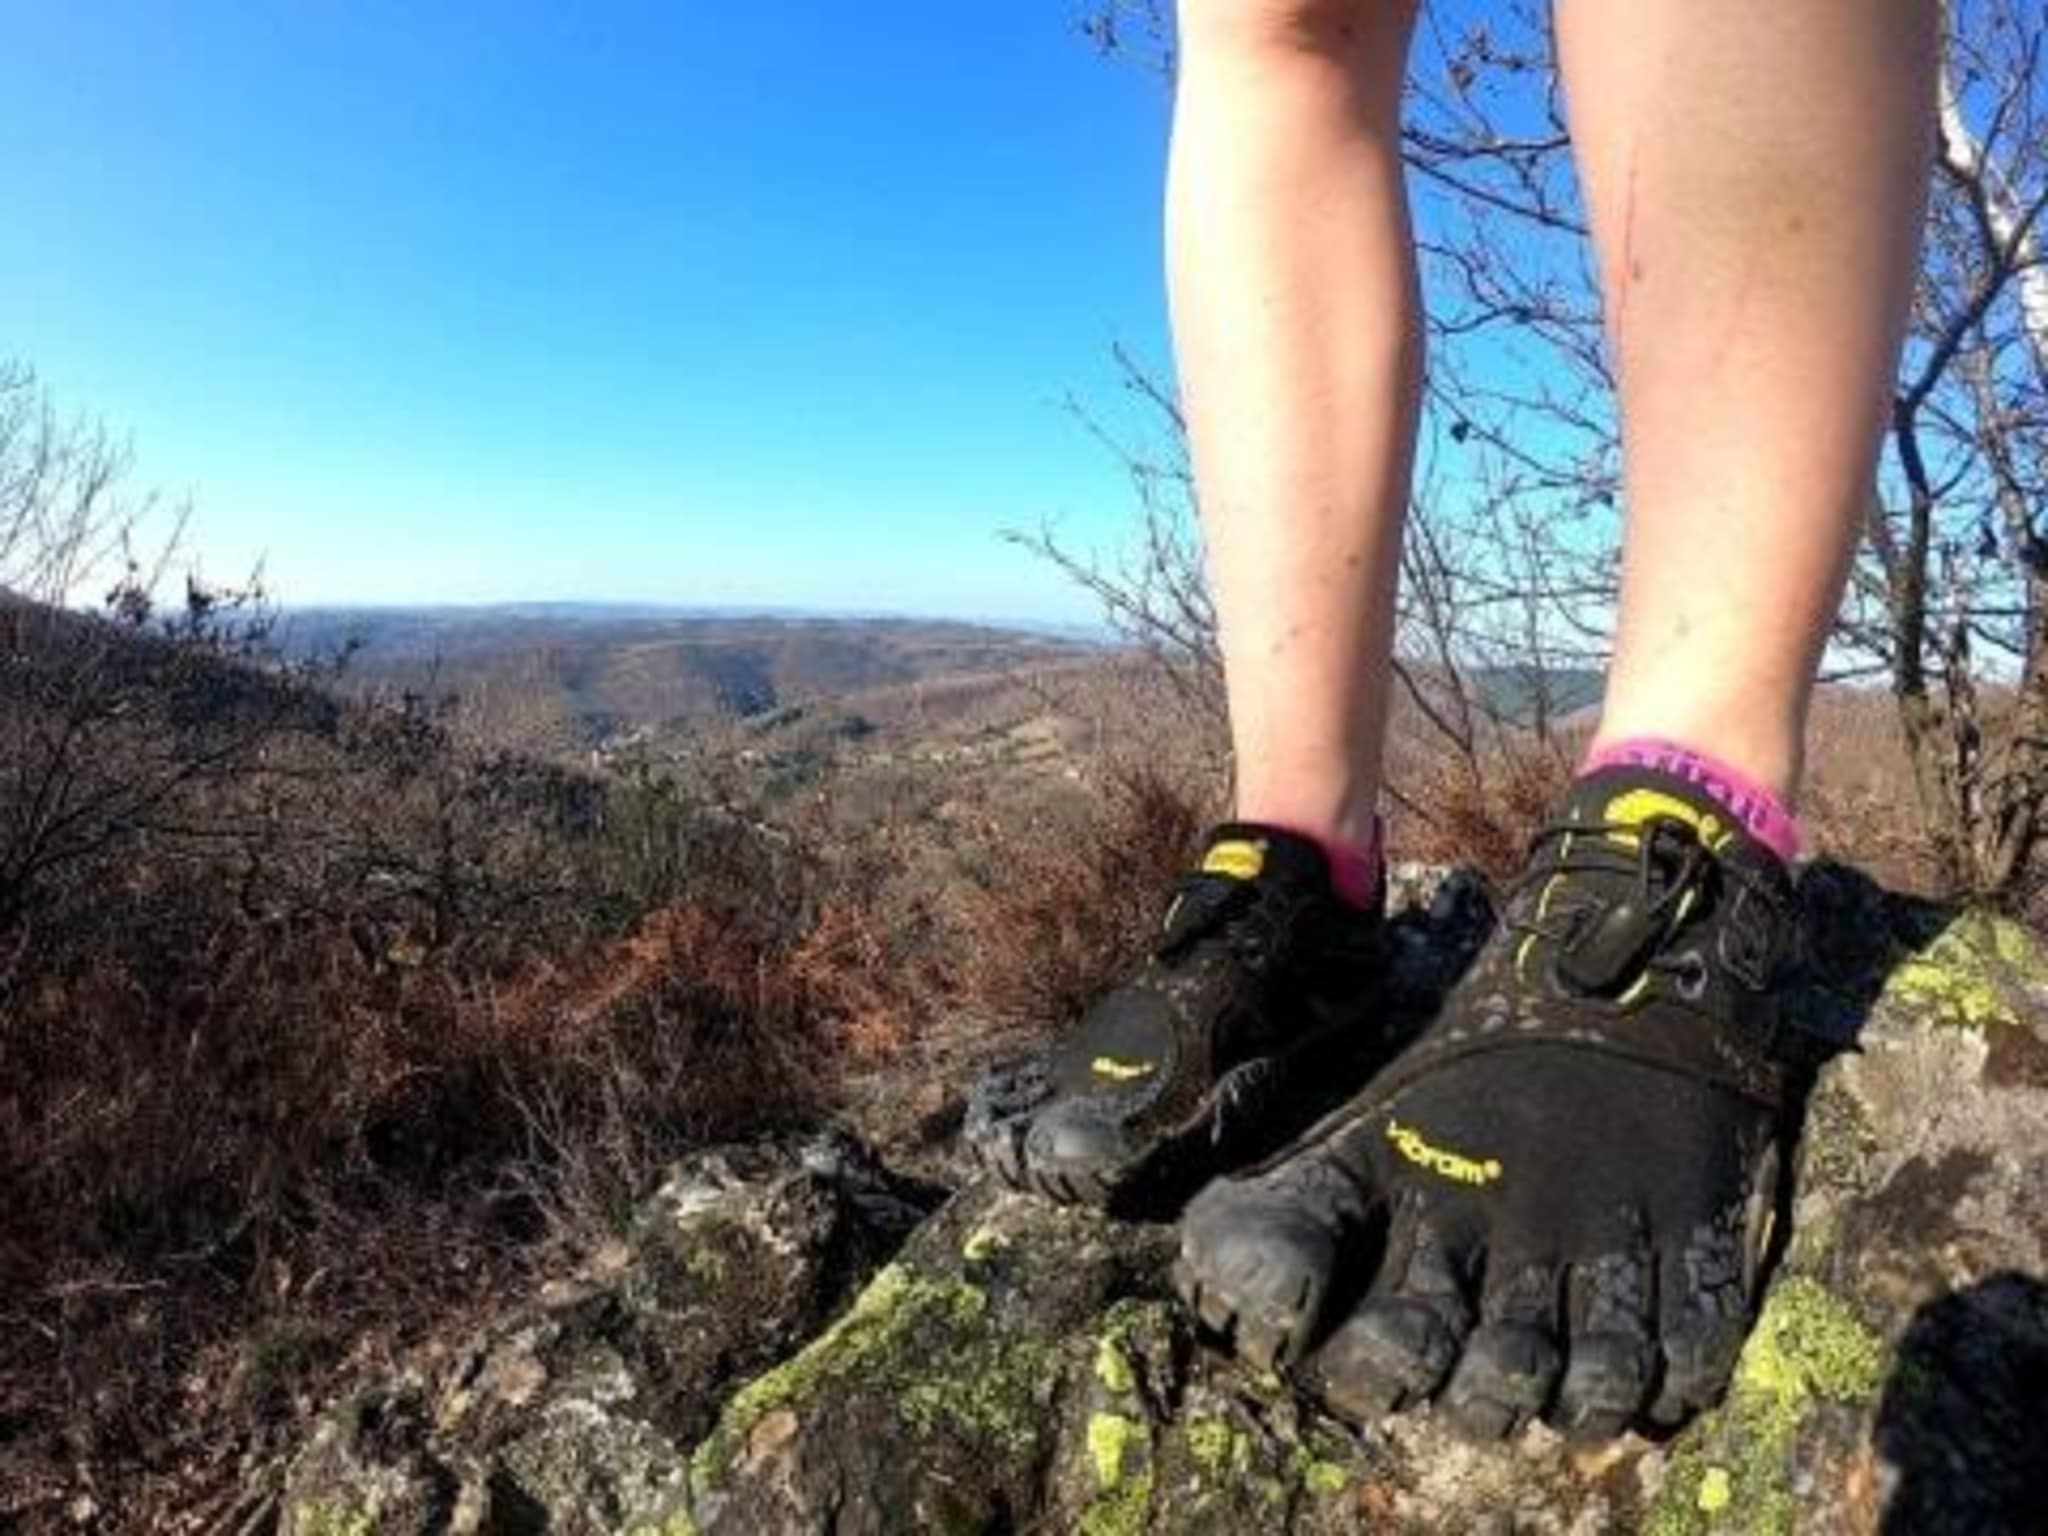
(1354, 867)
(1768, 819)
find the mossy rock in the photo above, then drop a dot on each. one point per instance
(368, 1468)
(1918, 1235)
(772, 1355)
(579, 1415)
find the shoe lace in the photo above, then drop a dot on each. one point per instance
(1609, 935)
(1244, 914)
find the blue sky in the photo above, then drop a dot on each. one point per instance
(658, 302)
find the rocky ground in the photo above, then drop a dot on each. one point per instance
(796, 1339)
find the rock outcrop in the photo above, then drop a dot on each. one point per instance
(796, 1340)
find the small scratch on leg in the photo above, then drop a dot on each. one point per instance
(1632, 270)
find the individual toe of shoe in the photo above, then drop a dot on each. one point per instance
(1074, 1150)
(998, 1115)
(1611, 1354)
(1008, 1088)
(1391, 1353)
(1504, 1378)
(998, 1146)
(1699, 1357)
(1255, 1270)
(1606, 1384)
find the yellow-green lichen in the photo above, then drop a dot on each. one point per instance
(982, 1244)
(1837, 1151)
(1110, 1435)
(333, 1517)
(1218, 1448)
(1975, 973)
(1113, 1370)
(1715, 1490)
(1810, 1343)
(925, 1345)
(1317, 1465)
(1733, 1472)
(1208, 1442)
(678, 1523)
(2019, 947)
(1120, 1452)
(1325, 1478)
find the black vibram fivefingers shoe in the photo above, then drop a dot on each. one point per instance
(1558, 1201)
(1225, 1041)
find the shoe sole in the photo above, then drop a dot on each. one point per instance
(1265, 1339)
(1167, 1174)
(1269, 1332)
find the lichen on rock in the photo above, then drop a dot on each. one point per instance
(1734, 1471)
(919, 1342)
(1120, 1450)
(1978, 970)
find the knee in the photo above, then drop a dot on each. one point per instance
(1346, 31)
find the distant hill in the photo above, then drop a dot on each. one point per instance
(565, 679)
(571, 676)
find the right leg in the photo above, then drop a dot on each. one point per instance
(1296, 324)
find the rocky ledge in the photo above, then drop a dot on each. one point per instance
(795, 1339)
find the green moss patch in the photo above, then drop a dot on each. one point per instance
(1113, 1369)
(1732, 1472)
(333, 1517)
(1120, 1453)
(927, 1349)
(1976, 973)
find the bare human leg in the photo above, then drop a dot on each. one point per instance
(1756, 172)
(1296, 323)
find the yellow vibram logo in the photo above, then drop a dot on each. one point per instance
(1639, 805)
(1241, 860)
(1445, 1164)
(1122, 1071)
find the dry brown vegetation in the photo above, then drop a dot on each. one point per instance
(353, 1034)
(320, 1024)
(332, 1032)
